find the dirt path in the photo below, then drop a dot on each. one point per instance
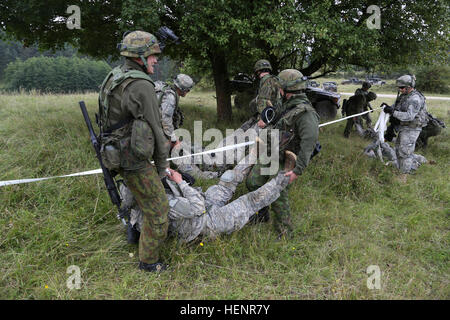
(394, 96)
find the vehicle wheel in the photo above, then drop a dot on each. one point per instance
(326, 110)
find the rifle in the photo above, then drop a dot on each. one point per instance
(393, 122)
(107, 177)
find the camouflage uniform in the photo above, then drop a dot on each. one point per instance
(299, 120)
(411, 110)
(131, 125)
(357, 104)
(361, 91)
(193, 213)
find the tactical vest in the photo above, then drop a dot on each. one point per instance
(421, 119)
(286, 124)
(127, 143)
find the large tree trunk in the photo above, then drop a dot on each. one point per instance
(220, 74)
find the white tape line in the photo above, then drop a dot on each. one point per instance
(85, 173)
(222, 149)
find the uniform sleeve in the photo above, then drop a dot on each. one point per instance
(191, 205)
(140, 99)
(414, 106)
(168, 105)
(307, 127)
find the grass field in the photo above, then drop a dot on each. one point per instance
(350, 212)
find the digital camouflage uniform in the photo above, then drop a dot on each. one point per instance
(411, 110)
(131, 125)
(193, 213)
(172, 119)
(299, 120)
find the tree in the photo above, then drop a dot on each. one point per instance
(226, 36)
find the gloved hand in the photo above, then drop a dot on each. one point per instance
(388, 109)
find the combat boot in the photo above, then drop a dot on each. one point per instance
(152, 267)
(290, 160)
(132, 234)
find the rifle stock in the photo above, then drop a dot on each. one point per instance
(107, 177)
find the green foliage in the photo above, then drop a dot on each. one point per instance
(57, 75)
(434, 78)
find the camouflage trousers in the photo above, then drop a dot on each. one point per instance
(227, 218)
(280, 207)
(148, 191)
(404, 148)
(358, 124)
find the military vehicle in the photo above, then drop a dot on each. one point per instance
(325, 102)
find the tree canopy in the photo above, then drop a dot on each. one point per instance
(223, 37)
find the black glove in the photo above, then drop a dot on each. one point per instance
(388, 109)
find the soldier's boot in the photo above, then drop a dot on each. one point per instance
(290, 160)
(152, 267)
(132, 234)
(261, 216)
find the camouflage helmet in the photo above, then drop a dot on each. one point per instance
(371, 96)
(138, 44)
(183, 82)
(292, 80)
(366, 85)
(262, 65)
(406, 81)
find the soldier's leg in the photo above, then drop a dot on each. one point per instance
(149, 194)
(282, 213)
(236, 214)
(404, 148)
(348, 127)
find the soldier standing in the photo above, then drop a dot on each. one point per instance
(130, 124)
(364, 90)
(357, 104)
(411, 113)
(297, 119)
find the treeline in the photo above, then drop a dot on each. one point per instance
(55, 75)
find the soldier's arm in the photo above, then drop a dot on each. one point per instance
(307, 128)
(191, 205)
(168, 104)
(413, 109)
(141, 102)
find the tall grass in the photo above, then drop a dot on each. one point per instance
(349, 212)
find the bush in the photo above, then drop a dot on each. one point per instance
(433, 78)
(55, 75)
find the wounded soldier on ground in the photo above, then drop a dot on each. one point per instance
(195, 213)
(172, 117)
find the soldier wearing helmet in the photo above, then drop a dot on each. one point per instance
(298, 124)
(132, 135)
(410, 113)
(268, 91)
(354, 105)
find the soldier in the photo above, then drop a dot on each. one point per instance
(364, 90)
(193, 213)
(268, 94)
(411, 113)
(354, 105)
(168, 96)
(297, 120)
(132, 134)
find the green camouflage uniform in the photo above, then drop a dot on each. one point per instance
(134, 103)
(301, 122)
(268, 93)
(366, 107)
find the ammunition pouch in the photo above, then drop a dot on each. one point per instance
(142, 140)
